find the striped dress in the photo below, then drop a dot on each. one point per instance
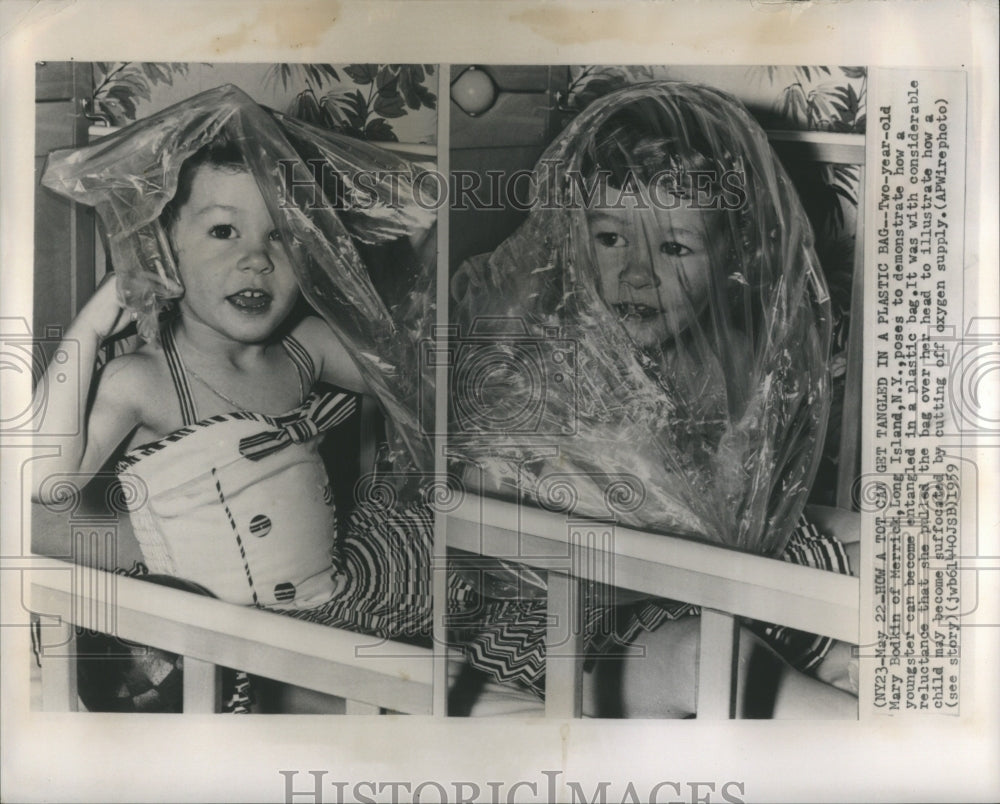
(506, 638)
(241, 504)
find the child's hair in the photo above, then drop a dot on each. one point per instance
(646, 142)
(639, 141)
(222, 153)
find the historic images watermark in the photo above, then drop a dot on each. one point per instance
(321, 787)
(502, 352)
(312, 185)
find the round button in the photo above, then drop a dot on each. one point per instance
(260, 525)
(284, 592)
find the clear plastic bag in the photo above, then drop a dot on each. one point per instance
(329, 195)
(651, 345)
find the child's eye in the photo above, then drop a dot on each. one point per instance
(274, 236)
(674, 249)
(611, 239)
(223, 231)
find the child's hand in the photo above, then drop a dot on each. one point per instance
(103, 314)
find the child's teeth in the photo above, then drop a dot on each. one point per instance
(251, 299)
(628, 310)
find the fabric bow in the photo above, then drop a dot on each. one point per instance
(322, 412)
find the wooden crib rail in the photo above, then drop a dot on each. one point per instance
(725, 583)
(707, 575)
(369, 673)
(389, 675)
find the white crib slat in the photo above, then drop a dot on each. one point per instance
(711, 576)
(360, 708)
(329, 660)
(821, 146)
(201, 686)
(564, 646)
(717, 656)
(59, 691)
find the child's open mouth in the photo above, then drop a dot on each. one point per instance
(250, 300)
(637, 312)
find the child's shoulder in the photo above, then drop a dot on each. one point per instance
(312, 334)
(311, 330)
(132, 368)
(138, 379)
(317, 338)
(330, 358)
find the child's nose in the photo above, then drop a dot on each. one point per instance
(257, 259)
(638, 274)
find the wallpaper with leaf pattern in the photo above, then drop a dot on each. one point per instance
(377, 102)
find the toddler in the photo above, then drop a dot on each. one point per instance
(668, 246)
(221, 409)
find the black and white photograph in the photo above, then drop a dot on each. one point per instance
(646, 337)
(455, 401)
(260, 276)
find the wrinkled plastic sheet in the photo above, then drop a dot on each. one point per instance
(713, 432)
(329, 195)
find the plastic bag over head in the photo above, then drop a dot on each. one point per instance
(330, 197)
(651, 345)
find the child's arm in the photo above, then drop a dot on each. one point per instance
(333, 363)
(85, 429)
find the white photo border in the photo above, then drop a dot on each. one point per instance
(49, 757)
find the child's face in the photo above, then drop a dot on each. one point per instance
(654, 265)
(237, 277)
